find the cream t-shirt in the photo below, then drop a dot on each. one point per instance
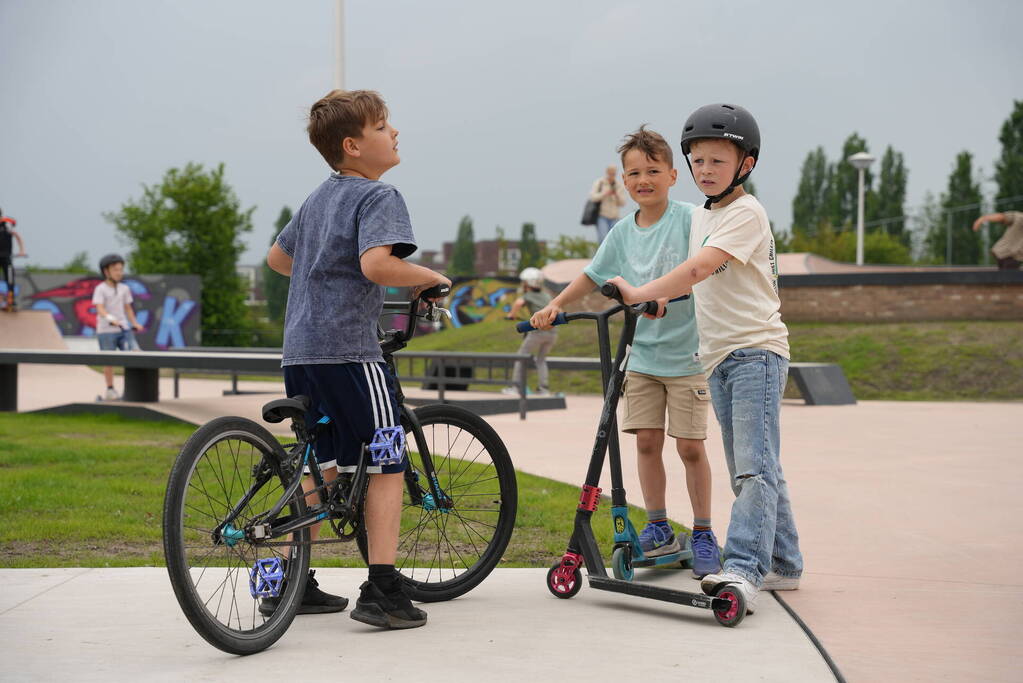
(738, 306)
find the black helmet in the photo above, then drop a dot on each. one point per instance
(726, 122)
(109, 260)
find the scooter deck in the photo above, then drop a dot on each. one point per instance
(642, 590)
(670, 558)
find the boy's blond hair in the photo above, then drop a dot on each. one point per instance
(342, 114)
(649, 143)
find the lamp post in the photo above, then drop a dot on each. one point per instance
(339, 44)
(860, 161)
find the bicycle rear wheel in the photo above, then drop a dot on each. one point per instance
(210, 563)
(444, 552)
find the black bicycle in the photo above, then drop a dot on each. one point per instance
(236, 519)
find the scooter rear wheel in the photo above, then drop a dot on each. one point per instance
(736, 610)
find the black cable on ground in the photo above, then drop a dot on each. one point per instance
(813, 639)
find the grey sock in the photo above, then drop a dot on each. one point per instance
(657, 515)
(701, 522)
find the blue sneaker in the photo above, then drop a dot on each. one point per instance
(658, 539)
(706, 556)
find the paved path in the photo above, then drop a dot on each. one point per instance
(123, 624)
(907, 511)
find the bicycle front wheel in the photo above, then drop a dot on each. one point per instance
(230, 472)
(445, 549)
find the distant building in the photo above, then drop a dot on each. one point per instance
(252, 281)
(493, 257)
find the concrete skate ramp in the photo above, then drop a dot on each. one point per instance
(29, 330)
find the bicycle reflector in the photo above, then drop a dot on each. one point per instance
(266, 578)
(388, 446)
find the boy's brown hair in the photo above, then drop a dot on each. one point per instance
(649, 143)
(342, 114)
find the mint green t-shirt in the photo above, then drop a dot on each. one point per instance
(665, 347)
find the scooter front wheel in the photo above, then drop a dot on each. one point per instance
(621, 563)
(564, 583)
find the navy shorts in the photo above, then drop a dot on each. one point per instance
(358, 398)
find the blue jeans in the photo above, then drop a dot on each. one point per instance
(118, 341)
(604, 226)
(746, 390)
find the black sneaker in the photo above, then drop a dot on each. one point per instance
(386, 610)
(314, 601)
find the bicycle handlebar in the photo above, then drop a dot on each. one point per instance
(609, 290)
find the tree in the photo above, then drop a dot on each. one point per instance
(275, 285)
(961, 206)
(1009, 167)
(191, 223)
(811, 204)
(891, 195)
(79, 263)
(463, 255)
(529, 248)
(567, 247)
(843, 200)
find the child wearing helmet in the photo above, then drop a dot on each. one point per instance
(115, 320)
(538, 343)
(733, 274)
(7, 236)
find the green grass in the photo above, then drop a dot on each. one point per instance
(88, 490)
(931, 361)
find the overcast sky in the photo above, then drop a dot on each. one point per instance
(507, 112)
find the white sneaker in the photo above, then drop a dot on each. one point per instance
(510, 391)
(710, 584)
(111, 395)
(542, 392)
(773, 582)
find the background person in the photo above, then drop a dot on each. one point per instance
(8, 235)
(611, 195)
(115, 320)
(537, 343)
(1008, 250)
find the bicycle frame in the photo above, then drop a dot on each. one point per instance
(349, 507)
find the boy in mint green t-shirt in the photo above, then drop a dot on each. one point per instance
(664, 373)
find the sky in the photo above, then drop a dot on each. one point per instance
(507, 112)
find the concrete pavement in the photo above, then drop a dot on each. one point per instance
(124, 624)
(906, 513)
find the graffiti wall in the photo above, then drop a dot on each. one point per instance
(473, 300)
(166, 305)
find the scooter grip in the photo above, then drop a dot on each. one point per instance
(524, 326)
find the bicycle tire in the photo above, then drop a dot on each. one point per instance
(460, 558)
(211, 474)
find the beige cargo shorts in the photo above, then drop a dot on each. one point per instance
(685, 400)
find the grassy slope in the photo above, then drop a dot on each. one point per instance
(915, 361)
(88, 491)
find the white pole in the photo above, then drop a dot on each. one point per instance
(339, 45)
(859, 223)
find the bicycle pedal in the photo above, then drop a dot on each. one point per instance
(388, 446)
(266, 580)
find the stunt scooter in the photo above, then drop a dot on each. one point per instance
(564, 579)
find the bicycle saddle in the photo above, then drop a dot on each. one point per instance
(284, 408)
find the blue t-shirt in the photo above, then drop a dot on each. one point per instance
(666, 347)
(332, 308)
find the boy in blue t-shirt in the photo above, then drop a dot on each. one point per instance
(343, 246)
(664, 373)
